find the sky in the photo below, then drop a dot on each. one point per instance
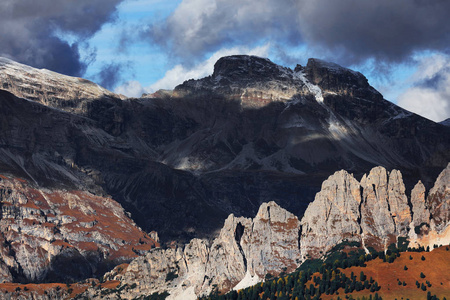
(139, 46)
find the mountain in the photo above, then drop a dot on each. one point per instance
(371, 214)
(310, 119)
(250, 133)
(180, 162)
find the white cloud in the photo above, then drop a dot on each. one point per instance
(429, 95)
(131, 88)
(179, 73)
(428, 103)
(197, 27)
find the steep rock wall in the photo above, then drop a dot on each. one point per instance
(374, 212)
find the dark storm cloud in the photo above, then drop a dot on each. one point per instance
(349, 30)
(28, 31)
(436, 81)
(110, 74)
(385, 30)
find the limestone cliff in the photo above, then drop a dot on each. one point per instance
(333, 215)
(438, 201)
(374, 212)
(420, 214)
(244, 252)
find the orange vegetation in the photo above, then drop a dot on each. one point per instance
(112, 284)
(62, 244)
(435, 267)
(74, 289)
(121, 269)
(38, 288)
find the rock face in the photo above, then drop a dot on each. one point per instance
(334, 215)
(258, 246)
(253, 81)
(333, 78)
(420, 214)
(377, 218)
(374, 213)
(438, 201)
(59, 235)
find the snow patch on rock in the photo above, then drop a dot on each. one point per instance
(314, 89)
(247, 281)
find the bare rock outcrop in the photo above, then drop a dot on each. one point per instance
(227, 263)
(62, 235)
(244, 248)
(421, 215)
(272, 241)
(374, 212)
(376, 219)
(252, 80)
(398, 203)
(332, 216)
(438, 201)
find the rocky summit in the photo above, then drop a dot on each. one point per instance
(87, 177)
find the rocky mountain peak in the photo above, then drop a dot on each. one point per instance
(332, 77)
(245, 67)
(252, 80)
(257, 81)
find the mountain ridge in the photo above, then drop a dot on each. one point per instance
(50, 88)
(154, 150)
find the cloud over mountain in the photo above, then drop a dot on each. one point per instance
(351, 30)
(429, 95)
(29, 31)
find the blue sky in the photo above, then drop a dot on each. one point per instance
(144, 62)
(138, 46)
